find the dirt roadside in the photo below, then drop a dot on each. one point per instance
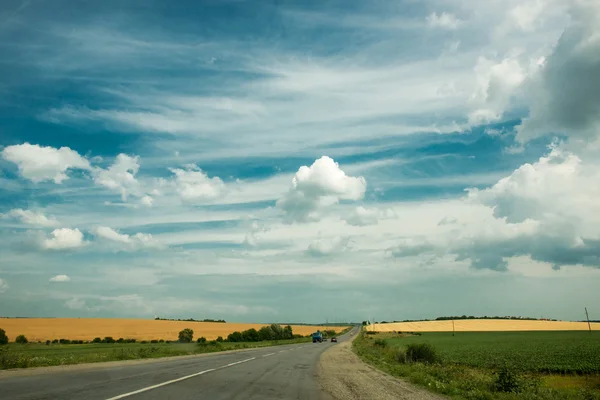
(343, 376)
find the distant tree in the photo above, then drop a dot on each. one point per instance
(55, 341)
(108, 339)
(161, 341)
(21, 339)
(154, 341)
(235, 337)
(265, 333)
(64, 341)
(97, 340)
(220, 339)
(3, 337)
(250, 335)
(120, 340)
(48, 342)
(186, 335)
(202, 340)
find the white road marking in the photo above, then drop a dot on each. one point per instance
(267, 355)
(121, 396)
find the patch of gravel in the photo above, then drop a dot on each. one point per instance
(343, 376)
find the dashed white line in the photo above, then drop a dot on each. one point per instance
(267, 355)
(121, 396)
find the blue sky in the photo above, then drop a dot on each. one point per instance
(238, 159)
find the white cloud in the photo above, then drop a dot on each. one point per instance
(120, 176)
(565, 97)
(39, 164)
(64, 238)
(3, 286)
(526, 14)
(444, 20)
(75, 303)
(361, 216)
(137, 240)
(320, 185)
(329, 246)
(194, 185)
(496, 83)
(60, 278)
(30, 217)
(147, 201)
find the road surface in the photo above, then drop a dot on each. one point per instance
(279, 372)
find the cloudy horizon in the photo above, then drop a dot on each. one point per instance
(274, 162)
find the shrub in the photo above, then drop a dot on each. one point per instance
(48, 342)
(108, 339)
(507, 381)
(144, 342)
(21, 339)
(161, 341)
(380, 343)
(202, 340)
(130, 340)
(186, 335)
(235, 337)
(371, 333)
(3, 337)
(55, 341)
(421, 352)
(97, 340)
(220, 339)
(154, 341)
(64, 341)
(120, 340)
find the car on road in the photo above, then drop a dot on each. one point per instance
(333, 340)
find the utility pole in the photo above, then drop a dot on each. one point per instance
(588, 320)
(452, 327)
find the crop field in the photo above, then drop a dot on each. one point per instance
(547, 352)
(482, 325)
(42, 329)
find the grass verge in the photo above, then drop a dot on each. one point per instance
(491, 365)
(28, 355)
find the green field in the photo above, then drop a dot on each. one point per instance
(550, 352)
(541, 365)
(27, 355)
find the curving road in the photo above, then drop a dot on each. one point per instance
(280, 372)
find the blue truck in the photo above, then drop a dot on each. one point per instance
(317, 337)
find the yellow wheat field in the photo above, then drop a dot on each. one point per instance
(42, 329)
(482, 325)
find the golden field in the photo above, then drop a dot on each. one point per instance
(482, 325)
(42, 329)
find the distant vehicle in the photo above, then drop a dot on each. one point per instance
(334, 340)
(317, 337)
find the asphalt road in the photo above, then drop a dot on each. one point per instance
(279, 372)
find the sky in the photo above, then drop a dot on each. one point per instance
(300, 161)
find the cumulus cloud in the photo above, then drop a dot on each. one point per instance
(362, 216)
(547, 210)
(496, 83)
(120, 176)
(320, 185)
(147, 201)
(30, 217)
(565, 97)
(138, 240)
(327, 247)
(3, 286)
(193, 184)
(60, 278)
(38, 163)
(444, 20)
(63, 239)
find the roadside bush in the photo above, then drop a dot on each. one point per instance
(120, 340)
(202, 340)
(130, 340)
(161, 341)
(507, 381)
(3, 337)
(371, 333)
(21, 339)
(186, 335)
(147, 352)
(64, 341)
(108, 339)
(97, 340)
(380, 343)
(220, 339)
(235, 337)
(154, 341)
(144, 342)
(10, 359)
(55, 341)
(48, 342)
(421, 352)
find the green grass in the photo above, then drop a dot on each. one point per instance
(468, 363)
(40, 355)
(548, 352)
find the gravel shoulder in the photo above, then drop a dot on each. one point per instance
(343, 376)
